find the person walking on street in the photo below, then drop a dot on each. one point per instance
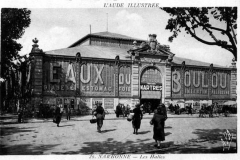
(100, 115)
(137, 117)
(68, 112)
(20, 114)
(58, 115)
(158, 127)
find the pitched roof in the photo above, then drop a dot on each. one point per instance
(106, 52)
(179, 60)
(115, 35)
(92, 51)
(109, 35)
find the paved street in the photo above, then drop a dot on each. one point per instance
(184, 134)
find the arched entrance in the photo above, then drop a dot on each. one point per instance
(150, 87)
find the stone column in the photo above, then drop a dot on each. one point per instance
(168, 81)
(233, 82)
(36, 74)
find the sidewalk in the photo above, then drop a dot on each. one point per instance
(184, 134)
(11, 119)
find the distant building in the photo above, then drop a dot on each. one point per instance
(111, 68)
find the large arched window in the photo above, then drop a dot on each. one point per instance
(151, 75)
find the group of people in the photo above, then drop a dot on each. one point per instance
(147, 107)
(175, 108)
(214, 109)
(121, 109)
(158, 122)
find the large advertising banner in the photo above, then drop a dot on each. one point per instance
(61, 78)
(193, 82)
(125, 81)
(97, 79)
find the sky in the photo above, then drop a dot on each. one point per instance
(57, 28)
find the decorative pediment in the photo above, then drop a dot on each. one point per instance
(151, 48)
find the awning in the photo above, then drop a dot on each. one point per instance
(230, 103)
(151, 95)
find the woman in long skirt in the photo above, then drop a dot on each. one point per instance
(137, 117)
(158, 126)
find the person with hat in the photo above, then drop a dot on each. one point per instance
(157, 121)
(137, 117)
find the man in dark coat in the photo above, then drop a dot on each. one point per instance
(58, 115)
(100, 115)
(118, 110)
(137, 117)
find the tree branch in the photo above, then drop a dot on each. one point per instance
(204, 27)
(194, 35)
(234, 35)
(215, 28)
(199, 39)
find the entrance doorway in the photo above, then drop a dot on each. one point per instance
(154, 103)
(151, 88)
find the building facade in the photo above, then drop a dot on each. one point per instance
(112, 68)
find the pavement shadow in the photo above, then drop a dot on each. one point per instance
(212, 135)
(107, 130)
(5, 131)
(167, 133)
(111, 146)
(66, 125)
(144, 132)
(29, 149)
(191, 149)
(167, 127)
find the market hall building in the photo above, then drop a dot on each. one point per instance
(111, 68)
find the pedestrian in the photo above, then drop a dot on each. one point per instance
(158, 126)
(124, 110)
(178, 109)
(190, 109)
(61, 109)
(127, 110)
(118, 110)
(100, 115)
(20, 114)
(149, 108)
(58, 115)
(68, 112)
(137, 117)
